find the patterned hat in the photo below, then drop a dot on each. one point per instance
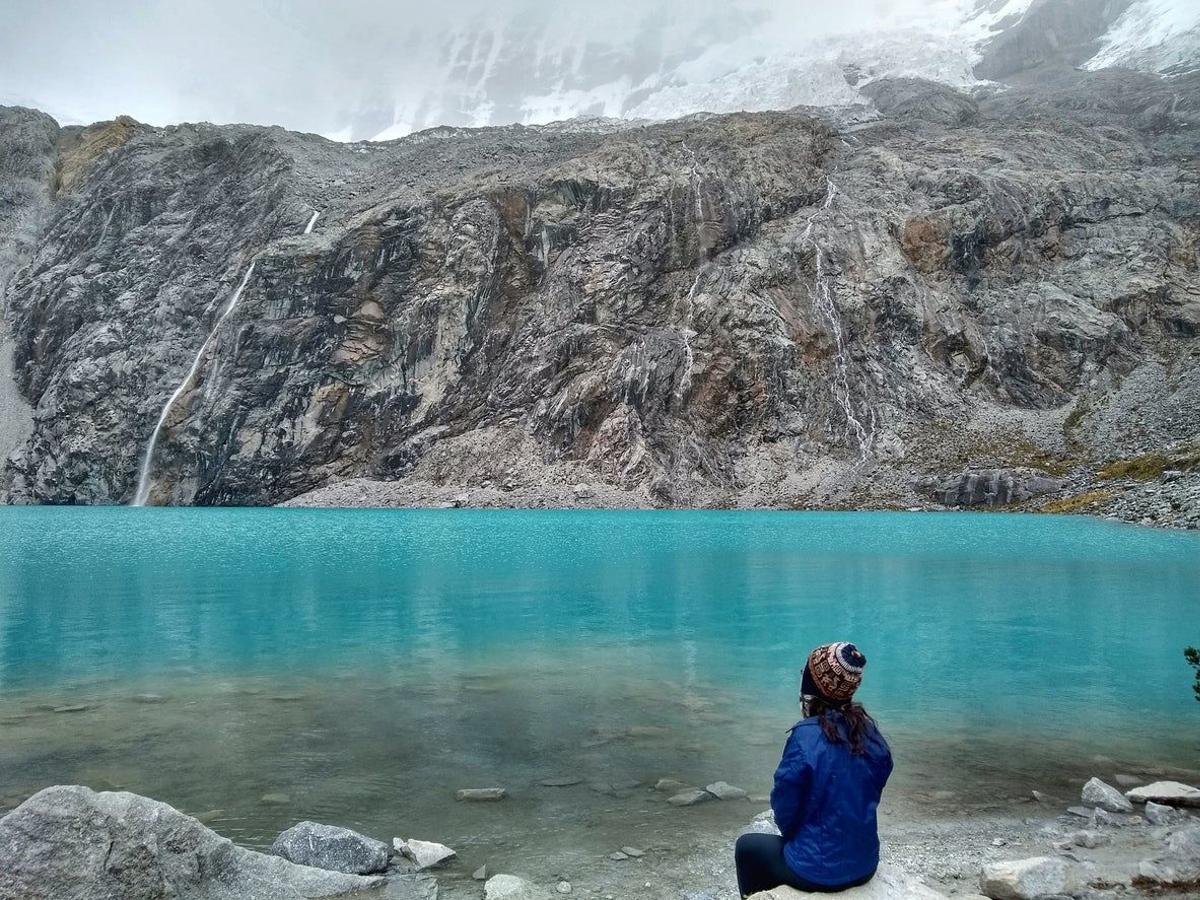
(833, 671)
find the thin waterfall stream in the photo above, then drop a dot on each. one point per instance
(145, 470)
(822, 297)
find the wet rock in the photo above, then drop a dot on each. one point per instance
(333, 848)
(149, 698)
(480, 874)
(72, 842)
(1099, 794)
(423, 854)
(275, 798)
(481, 795)
(409, 887)
(1179, 864)
(618, 856)
(689, 798)
(1169, 793)
(889, 883)
(564, 781)
(723, 790)
(1127, 781)
(1027, 879)
(563, 887)
(73, 708)
(633, 852)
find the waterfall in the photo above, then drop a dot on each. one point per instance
(822, 297)
(145, 481)
(688, 333)
(311, 222)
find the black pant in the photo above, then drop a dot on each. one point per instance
(761, 866)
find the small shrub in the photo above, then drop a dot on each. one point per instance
(1078, 503)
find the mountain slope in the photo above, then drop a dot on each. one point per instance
(757, 308)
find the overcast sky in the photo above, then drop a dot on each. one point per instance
(316, 64)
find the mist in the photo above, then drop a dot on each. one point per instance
(359, 68)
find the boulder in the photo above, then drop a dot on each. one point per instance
(1180, 864)
(889, 883)
(423, 854)
(72, 843)
(332, 848)
(989, 488)
(1169, 793)
(723, 790)
(1025, 879)
(1105, 796)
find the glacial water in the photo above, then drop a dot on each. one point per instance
(258, 667)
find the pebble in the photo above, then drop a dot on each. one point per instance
(480, 874)
(565, 781)
(563, 887)
(633, 851)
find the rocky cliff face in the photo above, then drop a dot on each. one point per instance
(754, 308)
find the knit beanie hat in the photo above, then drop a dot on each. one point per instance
(833, 672)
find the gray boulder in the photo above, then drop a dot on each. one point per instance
(1025, 879)
(1105, 796)
(1180, 864)
(996, 487)
(332, 848)
(72, 843)
(1159, 814)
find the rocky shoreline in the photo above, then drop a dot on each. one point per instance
(72, 842)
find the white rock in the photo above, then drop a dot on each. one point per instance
(480, 874)
(1025, 879)
(1105, 796)
(510, 887)
(723, 790)
(563, 887)
(633, 851)
(1170, 793)
(888, 884)
(424, 854)
(671, 786)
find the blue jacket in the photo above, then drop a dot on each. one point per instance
(824, 801)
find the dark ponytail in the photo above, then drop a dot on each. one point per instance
(858, 724)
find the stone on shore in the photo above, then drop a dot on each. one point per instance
(671, 786)
(1158, 814)
(1026, 879)
(72, 842)
(563, 781)
(1105, 796)
(332, 848)
(423, 854)
(1180, 864)
(888, 884)
(1169, 793)
(510, 887)
(481, 795)
(723, 790)
(689, 798)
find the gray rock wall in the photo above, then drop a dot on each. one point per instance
(726, 309)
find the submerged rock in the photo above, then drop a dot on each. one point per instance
(889, 883)
(1105, 796)
(333, 848)
(1026, 879)
(481, 795)
(72, 843)
(689, 798)
(1170, 793)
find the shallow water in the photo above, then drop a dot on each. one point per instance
(358, 666)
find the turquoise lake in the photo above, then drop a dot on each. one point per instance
(257, 667)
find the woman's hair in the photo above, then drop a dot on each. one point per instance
(859, 724)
